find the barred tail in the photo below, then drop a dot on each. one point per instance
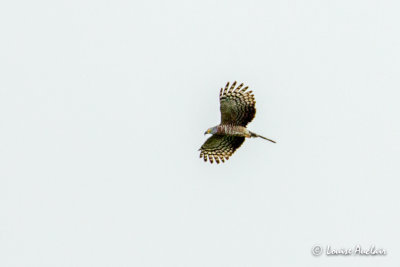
(256, 135)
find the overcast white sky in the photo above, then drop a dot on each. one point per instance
(103, 106)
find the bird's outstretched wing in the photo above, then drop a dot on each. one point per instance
(220, 147)
(237, 105)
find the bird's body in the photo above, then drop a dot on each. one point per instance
(235, 130)
(237, 108)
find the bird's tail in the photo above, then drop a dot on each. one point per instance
(256, 135)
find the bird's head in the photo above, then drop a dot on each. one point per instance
(211, 130)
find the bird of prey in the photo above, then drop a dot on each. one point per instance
(237, 108)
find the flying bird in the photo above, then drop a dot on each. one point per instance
(237, 106)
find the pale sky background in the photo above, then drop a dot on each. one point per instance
(103, 106)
